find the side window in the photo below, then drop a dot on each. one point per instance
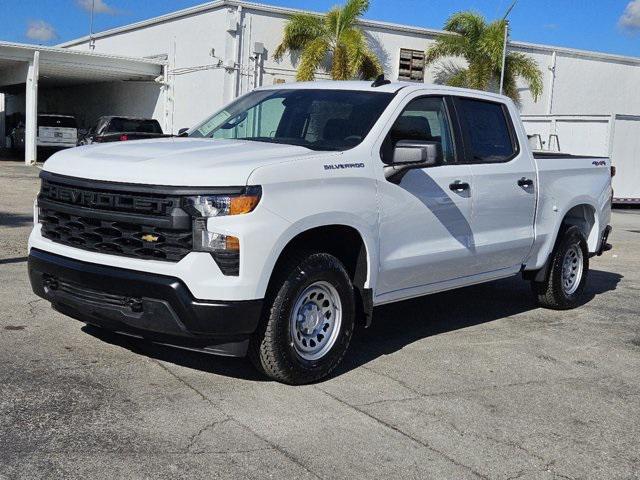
(424, 119)
(487, 131)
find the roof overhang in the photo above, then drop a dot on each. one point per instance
(63, 67)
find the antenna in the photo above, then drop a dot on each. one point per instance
(379, 81)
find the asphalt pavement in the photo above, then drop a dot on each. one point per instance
(473, 383)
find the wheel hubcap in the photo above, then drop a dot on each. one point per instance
(315, 320)
(572, 269)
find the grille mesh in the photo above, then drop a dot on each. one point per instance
(118, 238)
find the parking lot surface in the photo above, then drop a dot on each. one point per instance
(473, 383)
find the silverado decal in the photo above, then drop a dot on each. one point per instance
(338, 166)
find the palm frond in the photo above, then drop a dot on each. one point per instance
(332, 22)
(510, 87)
(525, 67)
(313, 54)
(449, 73)
(340, 68)
(370, 66)
(491, 43)
(446, 46)
(470, 25)
(362, 62)
(300, 29)
(479, 75)
(351, 11)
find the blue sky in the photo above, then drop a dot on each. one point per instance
(611, 26)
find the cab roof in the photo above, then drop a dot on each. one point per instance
(391, 87)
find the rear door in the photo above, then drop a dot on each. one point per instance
(503, 184)
(425, 231)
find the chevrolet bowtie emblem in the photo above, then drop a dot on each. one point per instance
(150, 238)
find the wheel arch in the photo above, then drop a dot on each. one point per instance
(582, 214)
(350, 243)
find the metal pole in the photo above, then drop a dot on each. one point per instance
(91, 44)
(504, 45)
(504, 54)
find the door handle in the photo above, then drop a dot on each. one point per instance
(525, 182)
(458, 186)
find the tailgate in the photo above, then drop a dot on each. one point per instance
(57, 135)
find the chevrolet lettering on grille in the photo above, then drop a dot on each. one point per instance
(105, 200)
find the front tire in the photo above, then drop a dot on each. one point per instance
(310, 319)
(564, 286)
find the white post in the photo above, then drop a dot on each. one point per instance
(552, 82)
(504, 54)
(3, 130)
(31, 112)
(237, 87)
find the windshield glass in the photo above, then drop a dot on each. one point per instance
(316, 119)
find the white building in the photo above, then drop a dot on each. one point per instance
(204, 56)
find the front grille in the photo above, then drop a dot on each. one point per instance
(131, 224)
(126, 239)
(92, 296)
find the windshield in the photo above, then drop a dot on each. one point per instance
(316, 119)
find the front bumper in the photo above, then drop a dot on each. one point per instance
(155, 307)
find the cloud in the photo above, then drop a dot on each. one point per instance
(99, 6)
(41, 31)
(551, 26)
(630, 19)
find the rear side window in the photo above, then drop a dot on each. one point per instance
(487, 130)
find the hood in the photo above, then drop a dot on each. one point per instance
(173, 161)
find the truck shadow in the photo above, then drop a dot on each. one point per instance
(394, 326)
(403, 323)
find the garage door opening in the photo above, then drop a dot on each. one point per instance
(76, 87)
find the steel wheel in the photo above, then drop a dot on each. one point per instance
(315, 320)
(572, 266)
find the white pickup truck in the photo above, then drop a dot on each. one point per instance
(275, 226)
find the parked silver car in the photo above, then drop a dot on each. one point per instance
(56, 131)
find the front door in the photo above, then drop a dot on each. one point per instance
(504, 185)
(425, 223)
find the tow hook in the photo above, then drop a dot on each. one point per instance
(135, 304)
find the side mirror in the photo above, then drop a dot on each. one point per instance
(183, 132)
(410, 154)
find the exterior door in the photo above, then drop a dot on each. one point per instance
(503, 185)
(425, 223)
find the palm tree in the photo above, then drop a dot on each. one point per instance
(333, 37)
(481, 45)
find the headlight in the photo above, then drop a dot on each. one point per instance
(225, 249)
(220, 205)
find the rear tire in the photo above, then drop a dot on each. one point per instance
(308, 320)
(564, 286)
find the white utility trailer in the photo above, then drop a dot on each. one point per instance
(616, 136)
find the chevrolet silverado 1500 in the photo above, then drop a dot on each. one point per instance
(277, 224)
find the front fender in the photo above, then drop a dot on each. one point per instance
(366, 231)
